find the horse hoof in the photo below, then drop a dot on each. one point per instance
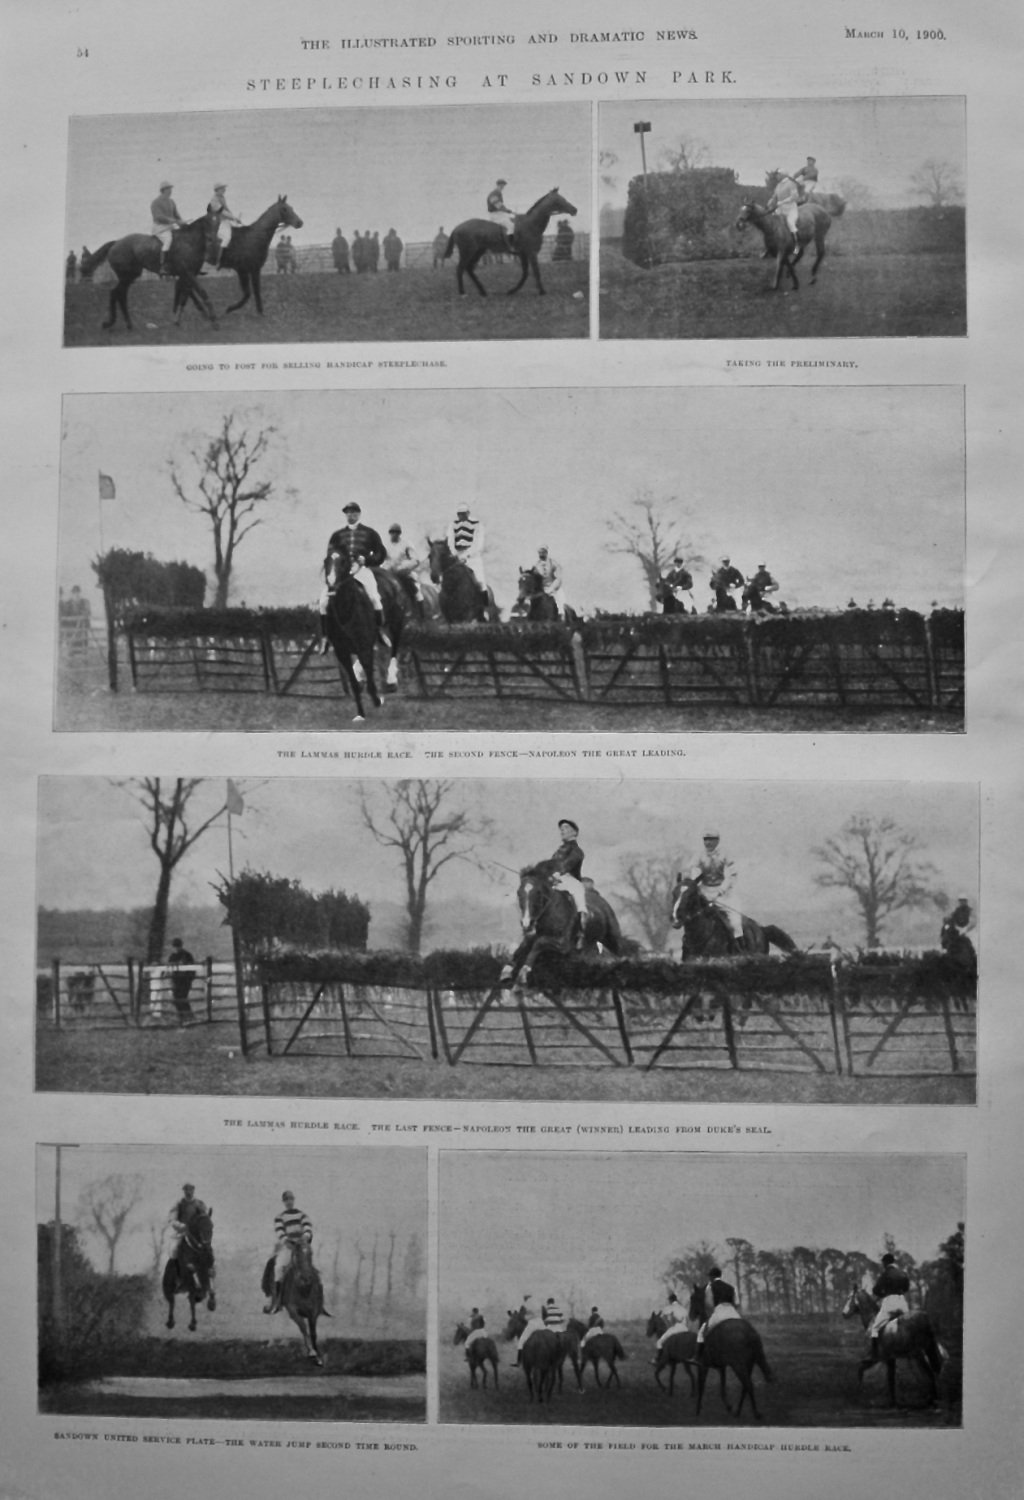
(359, 718)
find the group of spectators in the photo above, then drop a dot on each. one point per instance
(364, 252)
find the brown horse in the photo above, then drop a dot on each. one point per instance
(302, 1296)
(351, 628)
(680, 1348)
(460, 598)
(473, 238)
(812, 224)
(479, 1354)
(909, 1337)
(189, 1270)
(548, 919)
(602, 1346)
(129, 256)
(733, 1345)
(706, 931)
(246, 251)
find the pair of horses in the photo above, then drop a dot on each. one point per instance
(475, 238)
(706, 930)
(245, 254)
(733, 1344)
(460, 598)
(545, 1352)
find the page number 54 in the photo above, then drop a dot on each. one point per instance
(81, 52)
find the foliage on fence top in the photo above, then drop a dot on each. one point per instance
(443, 969)
(138, 578)
(269, 910)
(296, 622)
(492, 636)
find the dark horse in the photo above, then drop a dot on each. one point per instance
(602, 1346)
(134, 253)
(812, 223)
(706, 931)
(462, 600)
(475, 237)
(548, 918)
(680, 1348)
(351, 626)
(545, 1352)
(666, 596)
(302, 1296)
(910, 1336)
(188, 1270)
(733, 1345)
(246, 251)
(479, 1354)
(532, 603)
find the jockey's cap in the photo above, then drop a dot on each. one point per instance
(724, 560)
(286, 1195)
(715, 1271)
(219, 187)
(711, 833)
(353, 505)
(762, 565)
(568, 823)
(888, 1260)
(462, 510)
(812, 158)
(188, 1187)
(501, 182)
(395, 530)
(166, 186)
(963, 898)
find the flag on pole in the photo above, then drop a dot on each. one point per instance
(236, 802)
(108, 490)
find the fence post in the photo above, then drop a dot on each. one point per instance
(268, 1029)
(209, 989)
(55, 998)
(947, 1018)
(133, 994)
(243, 1033)
(431, 1023)
(929, 657)
(727, 1027)
(108, 606)
(580, 666)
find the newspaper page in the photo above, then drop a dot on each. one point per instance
(512, 749)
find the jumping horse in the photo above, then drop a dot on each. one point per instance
(188, 1270)
(706, 931)
(473, 238)
(460, 597)
(302, 1296)
(351, 627)
(548, 915)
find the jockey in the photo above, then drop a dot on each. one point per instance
(724, 579)
(534, 1322)
(499, 213)
(476, 1328)
(719, 1303)
(403, 561)
(355, 549)
(806, 178)
(291, 1227)
(466, 543)
(716, 875)
(890, 1291)
(187, 1208)
(595, 1325)
(786, 200)
(164, 213)
(674, 1314)
(217, 212)
(959, 923)
(679, 579)
(550, 574)
(762, 583)
(568, 876)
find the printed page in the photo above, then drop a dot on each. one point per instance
(512, 763)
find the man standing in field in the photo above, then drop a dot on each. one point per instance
(182, 967)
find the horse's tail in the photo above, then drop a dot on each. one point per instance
(838, 206)
(448, 249)
(934, 1353)
(618, 1350)
(96, 259)
(777, 938)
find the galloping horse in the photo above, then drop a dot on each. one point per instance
(134, 253)
(188, 1270)
(734, 1344)
(812, 223)
(246, 251)
(479, 1354)
(545, 1360)
(474, 237)
(351, 628)
(302, 1296)
(603, 1346)
(461, 598)
(548, 919)
(910, 1337)
(706, 931)
(834, 204)
(680, 1348)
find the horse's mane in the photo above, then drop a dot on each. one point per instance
(550, 193)
(544, 869)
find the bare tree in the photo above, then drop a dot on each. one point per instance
(646, 895)
(414, 1266)
(608, 161)
(686, 155)
(648, 533)
(876, 861)
(225, 489)
(105, 1207)
(428, 833)
(938, 182)
(171, 835)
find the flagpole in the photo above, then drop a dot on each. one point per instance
(231, 854)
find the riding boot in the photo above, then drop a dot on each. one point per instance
(325, 644)
(381, 630)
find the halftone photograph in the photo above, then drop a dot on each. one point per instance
(783, 218)
(659, 1289)
(251, 1283)
(328, 225)
(798, 942)
(559, 560)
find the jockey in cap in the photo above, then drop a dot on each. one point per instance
(806, 178)
(568, 862)
(165, 218)
(499, 213)
(719, 1303)
(291, 1227)
(217, 212)
(723, 580)
(549, 571)
(465, 539)
(476, 1328)
(402, 560)
(187, 1209)
(715, 872)
(354, 549)
(595, 1325)
(786, 200)
(890, 1291)
(674, 1314)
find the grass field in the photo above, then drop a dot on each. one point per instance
(196, 1061)
(813, 1360)
(322, 308)
(856, 296)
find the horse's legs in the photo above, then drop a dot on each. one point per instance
(820, 248)
(890, 1372)
(170, 1309)
(192, 1312)
(257, 291)
(243, 281)
(524, 266)
(471, 261)
(725, 1397)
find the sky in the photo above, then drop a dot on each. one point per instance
(880, 142)
(415, 168)
(768, 829)
(607, 1224)
(844, 491)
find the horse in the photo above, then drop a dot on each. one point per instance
(129, 256)
(733, 1344)
(812, 223)
(547, 1361)
(834, 204)
(246, 251)
(188, 1270)
(548, 920)
(302, 1296)
(680, 1348)
(461, 598)
(665, 595)
(474, 237)
(351, 627)
(533, 603)
(603, 1346)
(706, 930)
(910, 1336)
(479, 1354)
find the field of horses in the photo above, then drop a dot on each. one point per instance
(271, 1381)
(416, 304)
(813, 1360)
(856, 296)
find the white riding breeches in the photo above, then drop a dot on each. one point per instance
(575, 888)
(475, 564)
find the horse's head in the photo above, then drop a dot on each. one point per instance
(461, 1333)
(856, 1304)
(749, 214)
(534, 886)
(773, 177)
(530, 582)
(655, 1325)
(686, 900)
(516, 1323)
(286, 214)
(560, 205)
(438, 557)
